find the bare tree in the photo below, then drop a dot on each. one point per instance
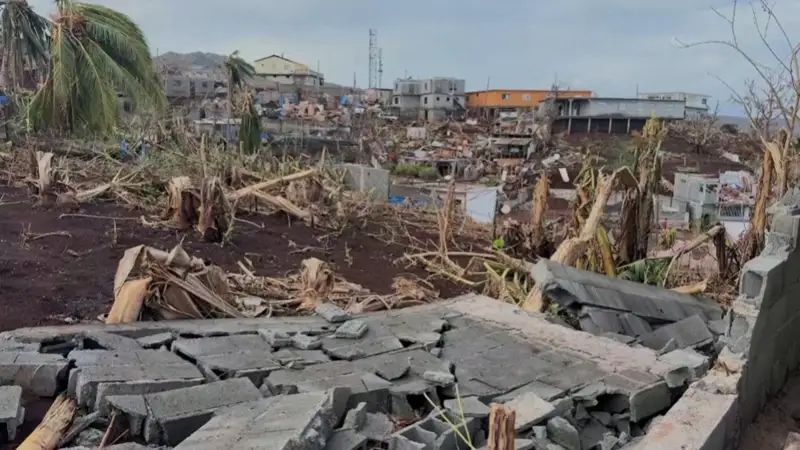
(774, 94)
(699, 132)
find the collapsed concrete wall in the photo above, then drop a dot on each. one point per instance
(760, 348)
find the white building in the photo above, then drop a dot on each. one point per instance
(281, 70)
(696, 104)
(433, 98)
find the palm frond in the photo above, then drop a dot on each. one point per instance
(24, 39)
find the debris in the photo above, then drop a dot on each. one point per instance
(332, 313)
(439, 378)
(531, 410)
(49, 432)
(352, 329)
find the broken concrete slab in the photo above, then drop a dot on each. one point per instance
(156, 340)
(569, 286)
(219, 345)
(563, 433)
(468, 407)
(12, 413)
(531, 410)
(276, 338)
(10, 345)
(689, 332)
(377, 427)
(275, 423)
(109, 341)
(170, 417)
(346, 439)
(306, 342)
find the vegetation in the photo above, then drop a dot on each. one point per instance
(420, 171)
(89, 55)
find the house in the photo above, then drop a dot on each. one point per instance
(282, 70)
(610, 114)
(696, 104)
(429, 98)
(491, 103)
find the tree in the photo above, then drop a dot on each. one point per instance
(238, 71)
(95, 54)
(699, 132)
(24, 36)
(773, 96)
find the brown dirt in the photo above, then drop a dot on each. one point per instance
(779, 417)
(56, 278)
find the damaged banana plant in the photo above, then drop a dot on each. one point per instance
(206, 208)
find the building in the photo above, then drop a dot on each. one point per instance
(491, 103)
(611, 115)
(429, 98)
(282, 70)
(192, 84)
(696, 104)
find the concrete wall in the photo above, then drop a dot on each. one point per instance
(437, 101)
(440, 85)
(407, 87)
(406, 101)
(761, 348)
(368, 180)
(177, 86)
(625, 107)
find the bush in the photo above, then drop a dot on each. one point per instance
(407, 170)
(428, 173)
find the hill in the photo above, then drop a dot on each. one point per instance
(190, 60)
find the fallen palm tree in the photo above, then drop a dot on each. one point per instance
(152, 284)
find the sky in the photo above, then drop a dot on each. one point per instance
(612, 47)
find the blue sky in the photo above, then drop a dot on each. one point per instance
(607, 46)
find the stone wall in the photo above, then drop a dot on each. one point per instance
(368, 180)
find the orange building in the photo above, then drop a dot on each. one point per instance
(491, 102)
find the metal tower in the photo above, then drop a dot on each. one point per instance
(380, 68)
(373, 58)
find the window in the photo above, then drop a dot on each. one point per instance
(704, 101)
(177, 83)
(526, 97)
(425, 100)
(396, 86)
(397, 100)
(426, 86)
(288, 76)
(506, 95)
(204, 84)
(448, 99)
(437, 99)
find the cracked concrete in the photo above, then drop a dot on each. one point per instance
(204, 384)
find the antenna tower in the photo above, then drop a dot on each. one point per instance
(373, 58)
(380, 68)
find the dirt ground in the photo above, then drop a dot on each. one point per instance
(53, 279)
(780, 416)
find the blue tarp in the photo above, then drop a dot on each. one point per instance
(3, 99)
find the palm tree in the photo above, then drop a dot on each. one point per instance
(95, 53)
(24, 38)
(239, 71)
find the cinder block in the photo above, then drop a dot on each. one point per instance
(788, 225)
(762, 279)
(35, 373)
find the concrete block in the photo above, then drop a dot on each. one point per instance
(531, 410)
(563, 433)
(688, 365)
(12, 413)
(171, 416)
(93, 384)
(762, 279)
(36, 373)
(286, 356)
(332, 313)
(346, 439)
(699, 420)
(393, 369)
(788, 225)
(255, 365)
(439, 378)
(275, 423)
(352, 329)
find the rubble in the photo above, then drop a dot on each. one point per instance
(242, 384)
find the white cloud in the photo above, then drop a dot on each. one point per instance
(610, 46)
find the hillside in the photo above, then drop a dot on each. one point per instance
(187, 60)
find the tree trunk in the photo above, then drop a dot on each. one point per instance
(501, 428)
